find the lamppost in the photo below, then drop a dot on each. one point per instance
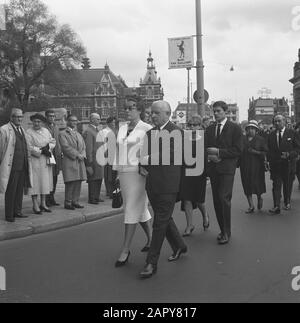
(200, 64)
(188, 94)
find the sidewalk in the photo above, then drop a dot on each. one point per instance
(58, 219)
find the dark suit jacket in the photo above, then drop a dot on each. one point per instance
(230, 144)
(290, 143)
(163, 179)
(92, 146)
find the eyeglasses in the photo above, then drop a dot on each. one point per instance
(131, 108)
(194, 125)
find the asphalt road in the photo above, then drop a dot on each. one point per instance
(77, 264)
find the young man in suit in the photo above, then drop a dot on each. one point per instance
(163, 185)
(284, 148)
(223, 141)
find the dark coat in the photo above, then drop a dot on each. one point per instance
(92, 146)
(290, 143)
(163, 179)
(253, 167)
(230, 144)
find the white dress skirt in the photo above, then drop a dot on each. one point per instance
(135, 198)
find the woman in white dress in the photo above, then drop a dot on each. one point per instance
(42, 144)
(133, 185)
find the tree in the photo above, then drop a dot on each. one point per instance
(33, 44)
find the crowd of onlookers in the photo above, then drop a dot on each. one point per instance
(31, 160)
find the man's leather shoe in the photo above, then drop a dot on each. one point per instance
(77, 206)
(93, 202)
(220, 236)
(70, 207)
(177, 254)
(148, 271)
(275, 210)
(100, 200)
(21, 216)
(224, 240)
(287, 207)
(10, 220)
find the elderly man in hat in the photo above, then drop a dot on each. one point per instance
(224, 143)
(15, 165)
(95, 171)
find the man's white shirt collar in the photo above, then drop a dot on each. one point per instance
(223, 122)
(162, 127)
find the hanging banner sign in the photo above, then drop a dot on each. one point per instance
(181, 52)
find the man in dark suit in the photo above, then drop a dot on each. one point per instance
(223, 141)
(284, 148)
(163, 184)
(95, 171)
(54, 130)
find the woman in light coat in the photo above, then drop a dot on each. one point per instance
(133, 185)
(42, 145)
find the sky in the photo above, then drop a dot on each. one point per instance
(260, 38)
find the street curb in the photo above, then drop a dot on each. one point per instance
(23, 229)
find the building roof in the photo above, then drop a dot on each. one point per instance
(264, 103)
(151, 75)
(82, 81)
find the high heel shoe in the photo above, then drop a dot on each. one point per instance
(43, 209)
(206, 224)
(250, 210)
(145, 249)
(36, 212)
(188, 233)
(119, 263)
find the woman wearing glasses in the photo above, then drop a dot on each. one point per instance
(130, 140)
(193, 189)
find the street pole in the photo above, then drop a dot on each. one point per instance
(200, 64)
(188, 95)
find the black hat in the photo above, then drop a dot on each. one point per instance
(38, 116)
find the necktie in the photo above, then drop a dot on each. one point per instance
(279, 139)
(219, 130)
(19, 131)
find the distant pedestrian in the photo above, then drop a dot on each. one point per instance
(193, 188)
(95, 172)
(252, 165)
(54, 130)
(73, 167)
(133, 185)
(224, 144)
(42, 145)
(15, 165)
(284, 148)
